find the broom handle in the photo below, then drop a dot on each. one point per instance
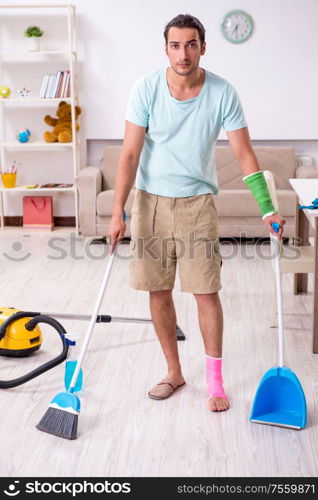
(92, 322)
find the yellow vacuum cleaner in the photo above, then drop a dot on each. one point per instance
(17, 341)
(21, 336)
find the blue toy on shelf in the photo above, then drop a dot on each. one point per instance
(23, 135)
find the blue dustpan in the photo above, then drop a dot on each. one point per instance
(280, 399)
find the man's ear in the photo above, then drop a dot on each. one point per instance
(203, 48)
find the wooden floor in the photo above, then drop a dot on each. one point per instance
(122, 432)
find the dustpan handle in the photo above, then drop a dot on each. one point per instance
(92, 322)
(278, 274)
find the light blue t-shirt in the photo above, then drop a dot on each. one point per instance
(177, 158)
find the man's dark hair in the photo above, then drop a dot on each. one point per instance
(185, 21)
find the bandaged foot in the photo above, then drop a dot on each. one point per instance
(218, 400)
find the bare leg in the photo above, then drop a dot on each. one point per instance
(164, 319)
(211, 326)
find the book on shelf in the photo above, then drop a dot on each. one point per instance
(55, 85)
(37, 186)
(66, 88)
(43, 86)
(55, 185)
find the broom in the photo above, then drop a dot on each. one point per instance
(61, 418)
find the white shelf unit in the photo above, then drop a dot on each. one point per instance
(75, 147)
(36, 145)
(38, 52)
(27, 100)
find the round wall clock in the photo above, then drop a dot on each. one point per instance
(237, 26)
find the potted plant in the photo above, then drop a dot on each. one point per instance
(33, 35)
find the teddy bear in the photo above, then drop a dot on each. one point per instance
(62, 131)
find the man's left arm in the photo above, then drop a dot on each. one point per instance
(241, 144)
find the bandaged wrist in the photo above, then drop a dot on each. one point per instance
(257, 184)
(268, 214)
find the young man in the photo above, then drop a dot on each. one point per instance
(173, 119)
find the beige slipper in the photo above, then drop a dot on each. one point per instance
(163, 390)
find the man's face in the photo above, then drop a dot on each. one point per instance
(184, 50)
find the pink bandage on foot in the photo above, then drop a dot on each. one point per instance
(214, 377)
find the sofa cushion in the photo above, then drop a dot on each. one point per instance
(228, 203)
(241, 201)
(281, 161)
(105, 199)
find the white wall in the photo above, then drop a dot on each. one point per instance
(275, 72)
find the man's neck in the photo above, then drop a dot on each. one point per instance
(187, 82)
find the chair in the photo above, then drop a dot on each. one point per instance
(294, 258)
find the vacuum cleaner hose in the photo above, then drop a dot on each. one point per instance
(30, 325)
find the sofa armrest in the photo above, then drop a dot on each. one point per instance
(94, 173)
(89, 184)
(306, 172)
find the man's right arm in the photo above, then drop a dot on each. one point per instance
(125, 176)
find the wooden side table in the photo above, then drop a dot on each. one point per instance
(306, 191)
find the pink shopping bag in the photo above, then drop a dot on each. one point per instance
(37, 212)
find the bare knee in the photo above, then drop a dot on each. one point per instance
(163, 296)
(161, 293)
(207, 298)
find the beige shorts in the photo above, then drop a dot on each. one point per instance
(168, 231)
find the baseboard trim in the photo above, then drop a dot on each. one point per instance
(17, 220)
